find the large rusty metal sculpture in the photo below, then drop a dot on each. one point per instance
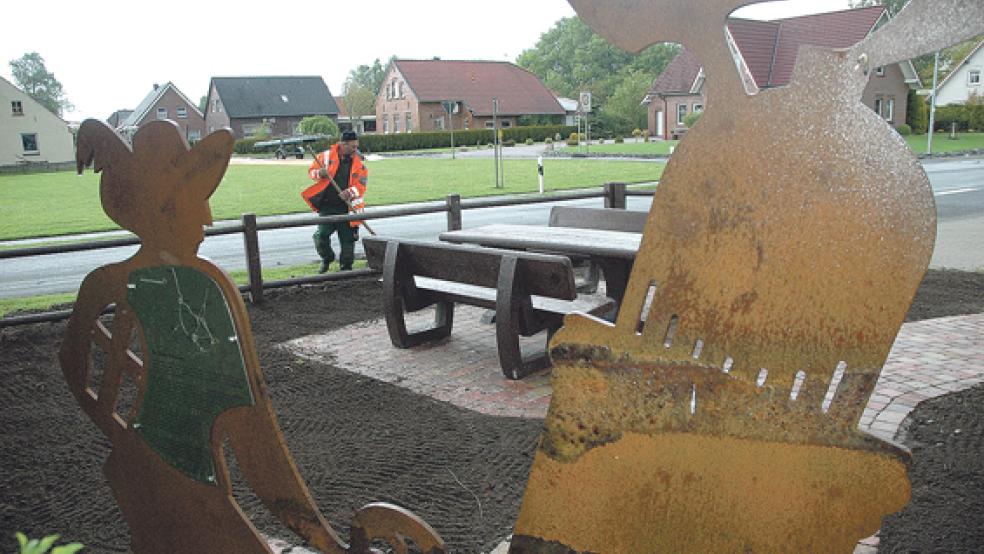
(785, 243)
(181, 337)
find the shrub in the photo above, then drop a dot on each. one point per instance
(548, 140)
(529, 141)
(557, 137)
(904, 129)
(244, 146)
(509, 142)
(917, 113)
(619, 139)
(573, 140)
(636, 132)
(691, 119)
(318, 125)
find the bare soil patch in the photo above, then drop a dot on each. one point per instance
(357, 440)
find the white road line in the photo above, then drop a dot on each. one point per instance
(955, 191)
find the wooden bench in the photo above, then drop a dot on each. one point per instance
(529, 293)
(607, 219)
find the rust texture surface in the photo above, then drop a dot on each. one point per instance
(173, 378)
(785, 242)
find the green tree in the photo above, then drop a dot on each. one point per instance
(319, 125)
(623, 111)
(570, 58)
(369, 76)
(40, 84)
(917, 113)
(893, 6)
(359, 99)
(203, 103)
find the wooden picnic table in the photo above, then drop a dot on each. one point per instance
(613, 251)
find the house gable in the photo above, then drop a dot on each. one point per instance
(966, 79)
(29, 132)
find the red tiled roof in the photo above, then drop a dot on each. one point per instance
(769, 48)
(476, 82)
(340, 102)
(678, 76)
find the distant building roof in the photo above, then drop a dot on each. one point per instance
(148, 102)
(769, 48)
(275, 96)
(118, 117)
(518, 91)
(569, 104)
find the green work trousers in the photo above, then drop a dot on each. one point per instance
(347, 235)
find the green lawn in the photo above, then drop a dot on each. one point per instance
(48, 301)
(51, 204)
(943, 143)
(654, 148)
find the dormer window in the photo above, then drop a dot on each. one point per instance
(284, 98)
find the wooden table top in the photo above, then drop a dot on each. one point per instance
(563, 240)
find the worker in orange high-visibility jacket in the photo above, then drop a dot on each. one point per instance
(343, 163)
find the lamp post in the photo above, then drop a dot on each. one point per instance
(932, 105)
(449, 108)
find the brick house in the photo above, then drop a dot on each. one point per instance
(244, 104)
(413, 91)
(766, 54)
(964, 82)
(165, 102)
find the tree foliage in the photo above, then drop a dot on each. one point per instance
(33, 77)
(570, 58)
(368, 76)
(318, 125)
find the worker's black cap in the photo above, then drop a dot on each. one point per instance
(349, 135)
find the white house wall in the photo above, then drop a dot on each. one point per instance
(54, 141)
(957, 88)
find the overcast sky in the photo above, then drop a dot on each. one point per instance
(108, 53)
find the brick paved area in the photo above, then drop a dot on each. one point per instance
(929, 358)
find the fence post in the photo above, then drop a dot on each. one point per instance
(615, 195)
(454, 212)
(251, 243)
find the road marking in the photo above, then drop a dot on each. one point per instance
(955, 191)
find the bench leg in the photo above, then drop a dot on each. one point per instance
(399, 292)
(509, 307)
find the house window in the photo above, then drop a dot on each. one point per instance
(880, 71)
(409, 122)
(216, 106)
(30, 143)
(488, 125)
(249, 129)
(681, 113)
(974, 77)
(161, 113)
(505, 123)
(396, 123)
(889, 108)
(194, 135)
(16, 108)
(698, 108)
(182, 112)
(438, 123)
(399, 87)
(878, 105)
(386, 125)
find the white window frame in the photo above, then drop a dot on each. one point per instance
(879, 105)
(697, 107)
(386, 124)
(890, 109)
(409, 119)
(880, 71)
(681, 113)
(16, 108)
(439, 123)
(216, 106)
(161, 112)
(973, 77)
(489, 124)
(181, 112)
(37, 145)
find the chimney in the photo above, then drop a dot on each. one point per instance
(156, 86)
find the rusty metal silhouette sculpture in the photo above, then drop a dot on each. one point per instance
(180, 335)
(785, 242)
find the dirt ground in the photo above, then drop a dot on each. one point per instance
(357, 440)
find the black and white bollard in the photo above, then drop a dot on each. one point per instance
(539, 171)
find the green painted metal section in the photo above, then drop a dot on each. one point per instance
(194, 361)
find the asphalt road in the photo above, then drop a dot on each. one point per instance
(958, 186)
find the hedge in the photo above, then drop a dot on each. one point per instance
(440, 139)
(967, 117)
